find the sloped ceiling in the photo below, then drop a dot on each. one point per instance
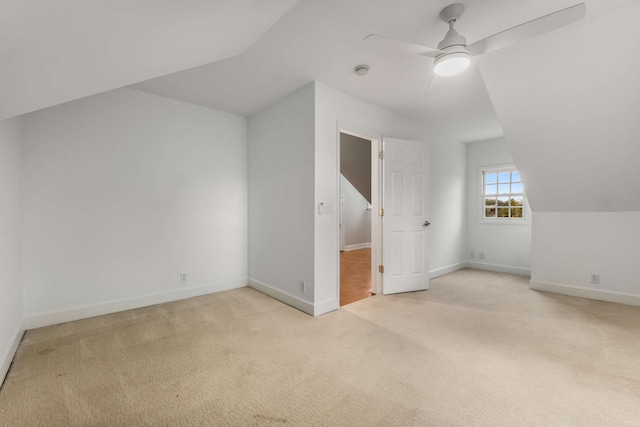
(569, 105)
(243, 55)
(322, 40)
(56, 51)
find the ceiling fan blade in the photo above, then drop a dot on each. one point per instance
(529, 29)
(401, 45)
(426, 91)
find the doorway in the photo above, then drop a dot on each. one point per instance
(399, 175)
(358, 196)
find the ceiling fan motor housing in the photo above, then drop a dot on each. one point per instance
(452, 38)
(453, 42)
(455, 56)
(453, 45)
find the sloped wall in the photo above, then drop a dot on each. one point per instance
(569, 104)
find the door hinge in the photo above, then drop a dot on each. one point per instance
(381, 268)
(381, 155)
(381, 212)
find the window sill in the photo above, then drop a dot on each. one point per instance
(497, 221)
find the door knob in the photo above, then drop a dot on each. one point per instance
(426, 224)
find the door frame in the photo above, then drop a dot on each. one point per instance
(341, 223)
(376, 200)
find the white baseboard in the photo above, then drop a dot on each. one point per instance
(282, 296)
(577, 291)
(499, 268)
(294, 301)
(326, 307)
(446, 270)
(357, 246)
(91, 310)
(7, 356)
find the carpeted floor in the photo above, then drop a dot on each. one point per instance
(479, 348)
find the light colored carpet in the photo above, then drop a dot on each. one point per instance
(479, 348)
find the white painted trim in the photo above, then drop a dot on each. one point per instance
(344, 127)
(376, 219)
(376, 199)
(520, 271)
(357, 246)
(577, 291)
(326, 307)
(342, 228)
(525, 220)
(282, 296)
(91, 310)
(446, 270)
(7, 357)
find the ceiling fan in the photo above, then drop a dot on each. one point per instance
(453, 53)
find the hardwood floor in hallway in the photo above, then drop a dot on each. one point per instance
(355, 275)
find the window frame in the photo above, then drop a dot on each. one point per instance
(509, 167)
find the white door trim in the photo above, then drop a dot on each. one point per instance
(342, 232)
(376, 191)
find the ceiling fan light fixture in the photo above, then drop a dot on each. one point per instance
(450, 64)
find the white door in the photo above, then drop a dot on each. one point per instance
(405, 188)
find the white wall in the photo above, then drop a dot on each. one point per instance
(356, 218)
(573, 131)
(123, 191)
(11, 291)
(507, 247)
(568, 247)
(447, 193)
(336, 110)
(293, 149)
(281, 150)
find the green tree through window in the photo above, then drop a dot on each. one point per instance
(503, 194)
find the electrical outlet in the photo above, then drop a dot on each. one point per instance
(481, 255)
(595, 278)
(183, 277)
(303, 287)
(472, 254)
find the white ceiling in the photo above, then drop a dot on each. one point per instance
(52, 52)
(56, 51)
(322, 40)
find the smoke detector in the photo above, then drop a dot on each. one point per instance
(361, 69)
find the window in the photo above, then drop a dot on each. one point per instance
(502, 194)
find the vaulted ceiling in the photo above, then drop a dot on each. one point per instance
(56, 51)
(241, 56)
(571, 119)
(322, 40)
